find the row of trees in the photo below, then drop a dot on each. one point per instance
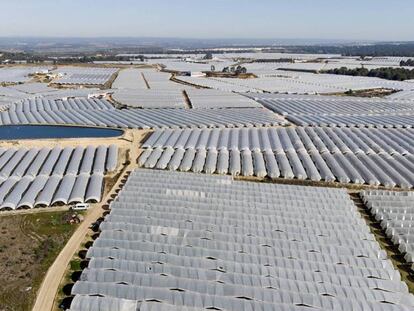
(402, 49)
(237, 70)
(398, 74)
(82, 58)
(275, 60)
(12, 57)
(408, 62)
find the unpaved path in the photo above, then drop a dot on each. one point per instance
(50, 285)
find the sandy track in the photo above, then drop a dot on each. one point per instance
(50, 285)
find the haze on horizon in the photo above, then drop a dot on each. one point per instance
(379, 20)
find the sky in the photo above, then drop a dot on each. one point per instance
(379, 20)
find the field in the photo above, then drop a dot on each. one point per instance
(28, 247)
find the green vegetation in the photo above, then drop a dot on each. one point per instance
(389, 73)
(368, 93)
(208, 56)
(236, 70)
(408, 63)
(75, 265)
(29, 245)
(275, 60)
(374, 50)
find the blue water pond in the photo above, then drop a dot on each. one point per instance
(14, 132)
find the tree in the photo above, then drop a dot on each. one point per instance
(208, 56)
(407, 63)
(389, 73)
(240, 70)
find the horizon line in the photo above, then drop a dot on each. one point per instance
(204, 38)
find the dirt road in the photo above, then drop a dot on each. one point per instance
(50, 285)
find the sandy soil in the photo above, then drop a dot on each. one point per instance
(34, 240)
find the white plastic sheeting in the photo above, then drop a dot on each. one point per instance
(131, 79)
(208, 98)
(146, 88)
(408, 94)
(361, 156)
(43, 177)
(160, 80)
(147, 118)
(95, 188)
(340, 111)
(30, 91)
(43, 104)
(395, 211)
(90, 303)
(19, 74)
(375, 120)
(56, 111)
(150, 98)
(199, 241)
(331, 105)
(290, 82)
(83, 75)
(32, 88)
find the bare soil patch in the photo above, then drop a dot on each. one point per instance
(28, 246)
